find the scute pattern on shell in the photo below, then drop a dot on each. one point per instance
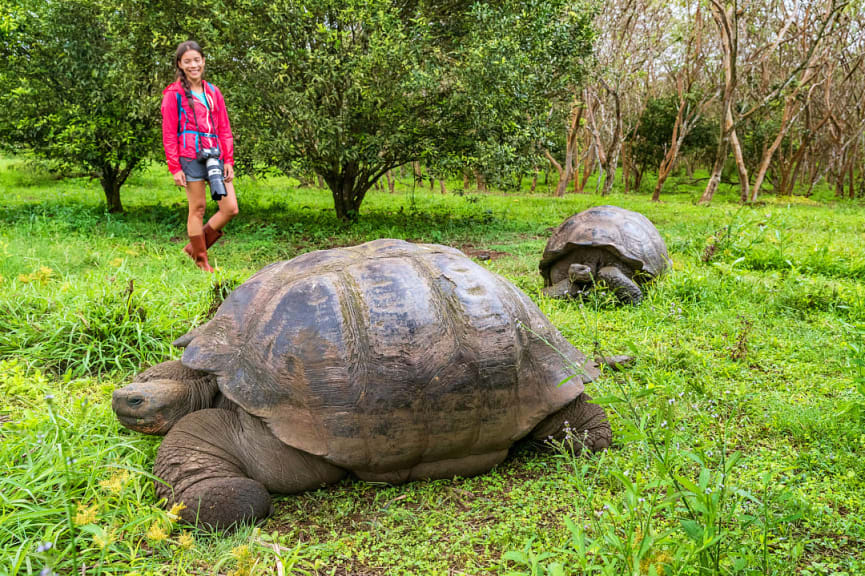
(387, 355)
(626, 235)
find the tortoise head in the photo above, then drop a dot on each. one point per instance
(580, 274)
(159, 397)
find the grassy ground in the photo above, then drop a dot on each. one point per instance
(738, 432)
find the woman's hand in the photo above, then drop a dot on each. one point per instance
(180, 178)
(229, 172)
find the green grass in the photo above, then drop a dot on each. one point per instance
(738, 432)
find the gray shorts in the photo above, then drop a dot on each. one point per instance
(196, 171)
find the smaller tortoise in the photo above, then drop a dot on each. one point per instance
(620, 247)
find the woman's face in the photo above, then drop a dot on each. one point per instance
(192, 64)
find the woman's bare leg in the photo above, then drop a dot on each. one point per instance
(227, 208)
(195, 196)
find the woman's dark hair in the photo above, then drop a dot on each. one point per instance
(182, 49)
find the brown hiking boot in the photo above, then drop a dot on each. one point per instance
(210, 238)
(199, 252)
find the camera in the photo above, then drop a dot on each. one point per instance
(215, 177)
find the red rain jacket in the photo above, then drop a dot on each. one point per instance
(179, 136)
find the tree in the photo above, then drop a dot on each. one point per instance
(80, 87)
(661, 128)
(354, 89)
(756, 49)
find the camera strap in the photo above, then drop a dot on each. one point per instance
(198, 133)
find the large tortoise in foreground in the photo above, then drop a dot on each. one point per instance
(390, 361)
(620, 247)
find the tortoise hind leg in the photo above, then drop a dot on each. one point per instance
(222, 465)
(584, 422)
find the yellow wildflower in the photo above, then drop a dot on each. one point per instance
(116, 262)
(186, 541)
(156, 533)
(116, 483)
(85, 515)
(1, 279)
(174, 513)
(103, 539)
(660, 560)
(43, 274)
(245, 561)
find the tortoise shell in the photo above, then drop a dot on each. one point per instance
(386, 355)
(625, 235)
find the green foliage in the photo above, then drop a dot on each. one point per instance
(654, 133)
(80, 87)
(351, 90)
(756, 347)
(855, 343)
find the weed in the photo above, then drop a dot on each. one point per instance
(739, 348)
(855, 343)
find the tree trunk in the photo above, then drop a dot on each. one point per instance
(680, 131)
(717, 169)
(626, 168)
(466, 180)
(615, 145)
(588, 168)
(566, 168)
(112, 179)
(348, 190)
(726, 20)
(565, 171)
(744, 192)
(481, 182)
(769, 152)
(112, 194)
(534, 183)
(391, 181)
(442, 186)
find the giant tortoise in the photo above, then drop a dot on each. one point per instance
(620, 247)
(391, 361)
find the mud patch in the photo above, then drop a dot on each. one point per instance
(482, 254)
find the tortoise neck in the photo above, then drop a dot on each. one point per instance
(202, 392)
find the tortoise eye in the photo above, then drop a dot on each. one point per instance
(135, 401)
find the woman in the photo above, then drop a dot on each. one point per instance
(194, 118)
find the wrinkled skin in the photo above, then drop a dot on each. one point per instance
(223, 463)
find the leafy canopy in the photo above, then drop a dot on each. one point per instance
(353, 89)
(80, 85)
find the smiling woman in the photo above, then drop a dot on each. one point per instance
(199, 146)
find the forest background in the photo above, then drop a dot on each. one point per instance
(769, 95)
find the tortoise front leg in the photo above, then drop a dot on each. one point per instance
(222, 465)
(626, 289)
(561, 289)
